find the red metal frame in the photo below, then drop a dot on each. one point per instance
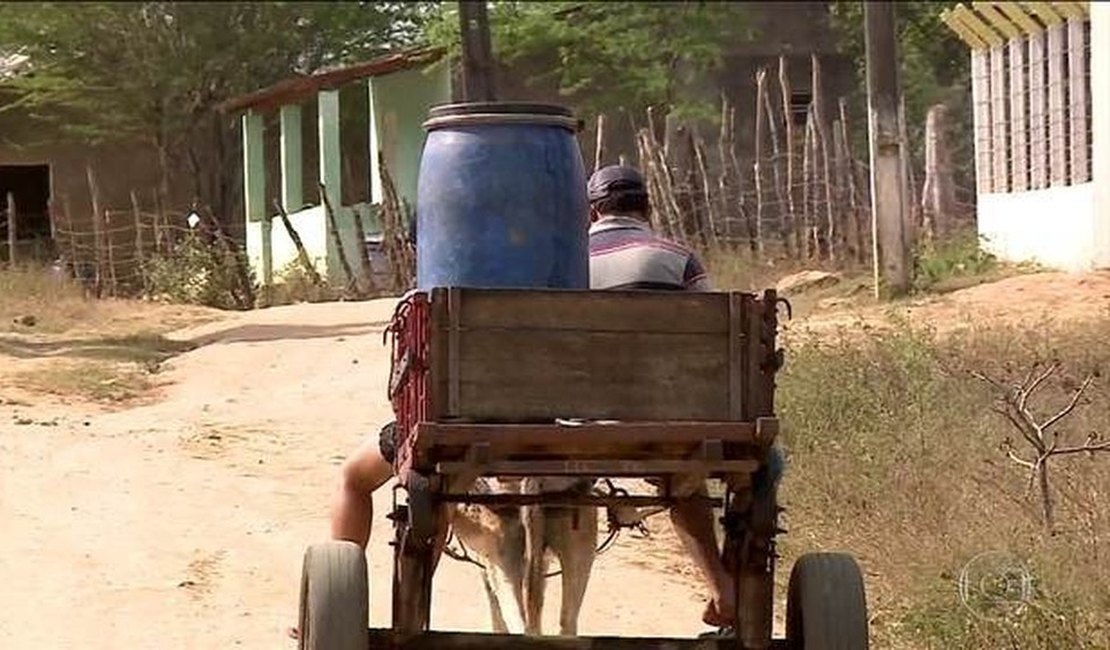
(409, 332)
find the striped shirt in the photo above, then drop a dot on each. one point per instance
(626, 254)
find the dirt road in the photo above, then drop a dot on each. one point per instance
(181, 524)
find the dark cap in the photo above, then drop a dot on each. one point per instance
(614, 179)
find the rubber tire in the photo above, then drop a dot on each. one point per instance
(826, 606)
(335, 598)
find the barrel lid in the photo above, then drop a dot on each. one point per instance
(475, 113)
(498, 108)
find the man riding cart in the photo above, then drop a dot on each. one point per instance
(507, 337)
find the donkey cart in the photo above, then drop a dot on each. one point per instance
(658, 384)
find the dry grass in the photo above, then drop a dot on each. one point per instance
(59, 306)
(94, 381)
(54, 340)
(894, 454)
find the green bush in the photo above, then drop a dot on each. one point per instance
(198, 273)
(961, 256)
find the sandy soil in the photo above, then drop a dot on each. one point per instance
(181, 524)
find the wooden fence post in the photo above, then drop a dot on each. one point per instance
(832, 233)
(788, 119)
(938, 200)
(786, 228)
(98, 231)
(13, 256)
(755, 226)
(140, 251)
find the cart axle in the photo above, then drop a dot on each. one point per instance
(383, 638)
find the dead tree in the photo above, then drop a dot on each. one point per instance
(302, 254)
(1040, 434)
(352, 287)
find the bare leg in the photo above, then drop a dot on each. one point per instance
(693, 522)
(364, 471)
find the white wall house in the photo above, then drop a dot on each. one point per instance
(1041, 97)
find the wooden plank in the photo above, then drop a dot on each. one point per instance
(1019, 134)
(1038, 117)
(454, 315)
(1000, 150)
(571, 499)
(981, 105)
(608, 311)
(736, 340)
(753, 355)
(593, 375)
(436, 442)
(385, 639)
(630, 468)
(1077, 102)
(1057, 118)
(437, 355)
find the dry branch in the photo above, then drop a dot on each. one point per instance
(1040, 435)
(302, 254)
(337, 240)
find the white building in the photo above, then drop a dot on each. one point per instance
(1041, 97)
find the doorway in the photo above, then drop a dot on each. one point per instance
(29, 186)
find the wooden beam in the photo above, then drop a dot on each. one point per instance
(1045, 12)
(1019, 17)
(609, 468)
(1069, 10)
(389, 640)
(966, 34)
(628, 440)
(973, 22)
(993, 16)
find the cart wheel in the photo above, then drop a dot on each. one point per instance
(826, 608)
(335, 600)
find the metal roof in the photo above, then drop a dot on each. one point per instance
(296, 90)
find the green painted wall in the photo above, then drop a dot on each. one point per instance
(400, 104)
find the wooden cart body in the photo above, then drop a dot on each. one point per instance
(586, 383)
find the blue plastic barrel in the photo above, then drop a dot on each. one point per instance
(501, 199)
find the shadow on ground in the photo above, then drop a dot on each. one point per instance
(260, 333)
(138, 348)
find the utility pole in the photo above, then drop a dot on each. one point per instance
(477, 53)
(888, 201)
